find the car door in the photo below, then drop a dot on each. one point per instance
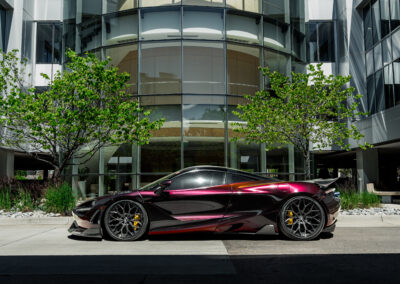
(195, 200)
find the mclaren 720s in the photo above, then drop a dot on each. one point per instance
(212, 199)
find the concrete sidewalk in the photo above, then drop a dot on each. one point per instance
(354, 221)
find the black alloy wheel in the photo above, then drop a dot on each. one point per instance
(126, 220)
(301, 218)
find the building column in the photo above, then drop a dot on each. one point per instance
(291, 162)
(233, 154)
(101, 171)
(367, 168)
(75, 177)
(6, 163)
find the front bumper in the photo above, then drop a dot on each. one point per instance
(84, 228)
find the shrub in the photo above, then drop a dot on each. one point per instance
(59, 199)
(353, 199)
(5, 199)
(24, 201)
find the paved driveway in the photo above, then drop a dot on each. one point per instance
(45, 254)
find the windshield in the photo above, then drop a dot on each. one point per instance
(157, 182)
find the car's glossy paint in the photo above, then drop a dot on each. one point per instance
(237, 207)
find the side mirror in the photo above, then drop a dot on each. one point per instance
(164, 184)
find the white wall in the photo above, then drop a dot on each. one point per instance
(321, 9)
(48, 10)
(48, 69)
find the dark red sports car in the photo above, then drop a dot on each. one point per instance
(211, 199)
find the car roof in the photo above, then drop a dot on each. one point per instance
(230, 170)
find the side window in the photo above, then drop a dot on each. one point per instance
(198, 179)
(234, 178)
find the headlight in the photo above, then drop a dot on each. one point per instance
(86, 206)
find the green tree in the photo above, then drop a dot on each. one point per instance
(302, 109)
(86, 107)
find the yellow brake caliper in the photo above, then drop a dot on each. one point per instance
(136, 221)
(290, 220)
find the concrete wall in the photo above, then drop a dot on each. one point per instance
(48, 10)
(6, 163)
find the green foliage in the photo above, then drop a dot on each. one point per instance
(20, 175)
(5, 199)
(85, 107)
(353, 199)
(306, 108)
(24, 201)
(59, 199)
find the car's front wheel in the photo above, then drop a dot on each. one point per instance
(301, 218)
(125, 220)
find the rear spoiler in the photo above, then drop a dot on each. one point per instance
(323, 183)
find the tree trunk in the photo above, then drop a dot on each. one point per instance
(307, 164)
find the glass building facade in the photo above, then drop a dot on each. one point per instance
(382, 54)
(190, 62)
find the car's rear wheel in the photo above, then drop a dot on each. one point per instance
(301, 218)
(126, 220)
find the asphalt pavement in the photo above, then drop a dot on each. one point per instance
(362, 249)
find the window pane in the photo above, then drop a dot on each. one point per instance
(204, 2)
(376, 22)
(379, 92)
(69, 9)
(370, 62)
(396, 71)
(161, 155)
(243, 73)
(385, 17)
(326, 42)
(203, 25)
(396, 45)
(276, 61)
(150, 3)
(274, 35)
(203, 68)
(242, 29)
(204, 130)
(90, 32)
(248, 5)
(312, 38)
(368, 27)
(120, 5)
(298, 45)
(278, 163)
(388, 86)
(44, 45)
(387, 50)
(160, 25)
(121, 29)
(394, 14)
(197, 180)
(297, 8)
(160, 68)
(274, 9)
(69, 34)
(244, 156)
(126, 59)
(378, 57)
(371, 95)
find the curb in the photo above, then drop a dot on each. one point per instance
(36, 221)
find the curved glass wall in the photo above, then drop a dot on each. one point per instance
(191, 62)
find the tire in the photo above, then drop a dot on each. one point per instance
(301, 218)
(126, 220)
